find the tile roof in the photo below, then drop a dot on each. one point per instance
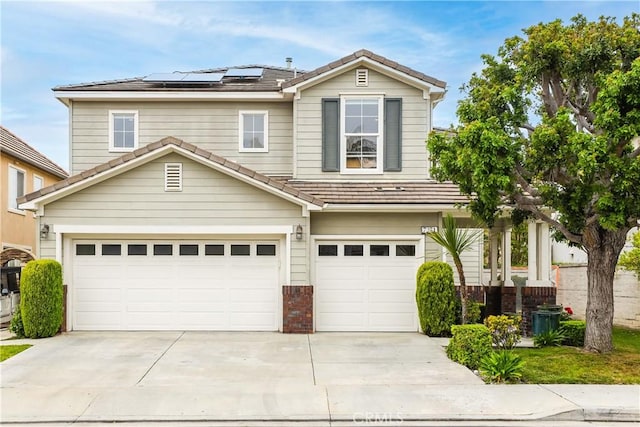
(269, 82)
(11, 144)
(396, 192)
(140, 152)
(367, 54)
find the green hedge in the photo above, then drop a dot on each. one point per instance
(436, 298)
(573, 331)
(41, 298)
(469, 344)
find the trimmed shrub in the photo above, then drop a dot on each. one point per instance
(41, 298)
(473, 312)
(16, 325)
(469, 344)
(501, 366)
(436, 298)
(573, 331)
(505, 330)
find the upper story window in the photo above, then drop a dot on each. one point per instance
(123, 130)
(362, 134)
(17, 186)
(361, 140)
(38, 182)
(254, 131)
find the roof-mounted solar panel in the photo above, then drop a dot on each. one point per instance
(244, 72)
(185, 78)
(202, 77)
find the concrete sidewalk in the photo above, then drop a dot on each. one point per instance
(257, 379)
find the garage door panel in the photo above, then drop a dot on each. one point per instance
(218, 291)
(372, 292)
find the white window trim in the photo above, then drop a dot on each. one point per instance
(241, 147)
(34, 182)
(10, 191)
(343, 140)
(112, 147)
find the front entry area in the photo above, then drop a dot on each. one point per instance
(215, 285)
(366, 285)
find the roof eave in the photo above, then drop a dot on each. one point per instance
(116, 95)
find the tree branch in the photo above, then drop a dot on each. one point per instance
(537, 213)
(635, 153)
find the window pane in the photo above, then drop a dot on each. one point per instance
(128, 140)
(405, 250)
(353, 250)
(37, 183)
(118, 123)
(353, 107)
(20, 184)
(118, 139)
(85, 249)
(214, 249)
(370, 107)
(137, 249)
(162, 250)
(240, 250)
(266, 250)
(129, 123)
(111, 250)
(379, 250)
(327, 250)
(258, 122)
(370, 125)
(188, 249)
(353, 124)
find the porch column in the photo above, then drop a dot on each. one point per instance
(506, 257)
(532, 252)
(545, 253)
(493, 253)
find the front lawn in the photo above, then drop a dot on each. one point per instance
(570, 365)
(7, 351)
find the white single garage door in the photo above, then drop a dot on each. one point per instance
(175, 285)
(366, 286)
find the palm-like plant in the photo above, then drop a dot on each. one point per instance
(455, 241)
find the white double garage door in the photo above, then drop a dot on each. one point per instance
(236, 285)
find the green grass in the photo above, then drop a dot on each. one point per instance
(7, 351)
(571, 365)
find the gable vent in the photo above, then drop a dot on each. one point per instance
(362, 77)
(173, 177)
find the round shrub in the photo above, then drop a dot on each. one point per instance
(41, 298)
(436, 298)
(469, 344)
(573, 332)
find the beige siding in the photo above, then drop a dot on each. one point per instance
(415, 125)
(209, 198)
(212, 126)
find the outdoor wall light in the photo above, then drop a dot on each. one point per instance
(299, 232)
(44, 231)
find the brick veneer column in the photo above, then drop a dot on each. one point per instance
(297, 309)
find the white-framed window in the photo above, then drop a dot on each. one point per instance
(361, 138)
(38, 182)
(123, 130)
(254, 131)
(17, 186)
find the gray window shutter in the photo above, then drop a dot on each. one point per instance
(331, 135)
(393, 134)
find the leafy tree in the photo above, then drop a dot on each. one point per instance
(456, 241)
(549, 128)
(631, 260)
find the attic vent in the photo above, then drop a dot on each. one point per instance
(173, 177)
(362, 77)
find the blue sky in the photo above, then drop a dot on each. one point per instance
(45, 44)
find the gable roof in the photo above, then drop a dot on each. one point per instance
(159, 148)
(16, 147)
(363, 53)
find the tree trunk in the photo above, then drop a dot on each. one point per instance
(463, 290)
(603, 248)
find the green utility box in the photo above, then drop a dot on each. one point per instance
(545, 321)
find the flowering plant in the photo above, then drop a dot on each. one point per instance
(566, 314)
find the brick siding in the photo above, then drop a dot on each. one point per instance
(297, 309)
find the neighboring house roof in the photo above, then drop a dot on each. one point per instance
(270, 81)
(363, 53)
(16, 147)
(395, 192)
(228, 166)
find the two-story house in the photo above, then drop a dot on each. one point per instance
(22, 170)
(249, 198)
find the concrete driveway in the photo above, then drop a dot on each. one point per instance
(125, 359)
